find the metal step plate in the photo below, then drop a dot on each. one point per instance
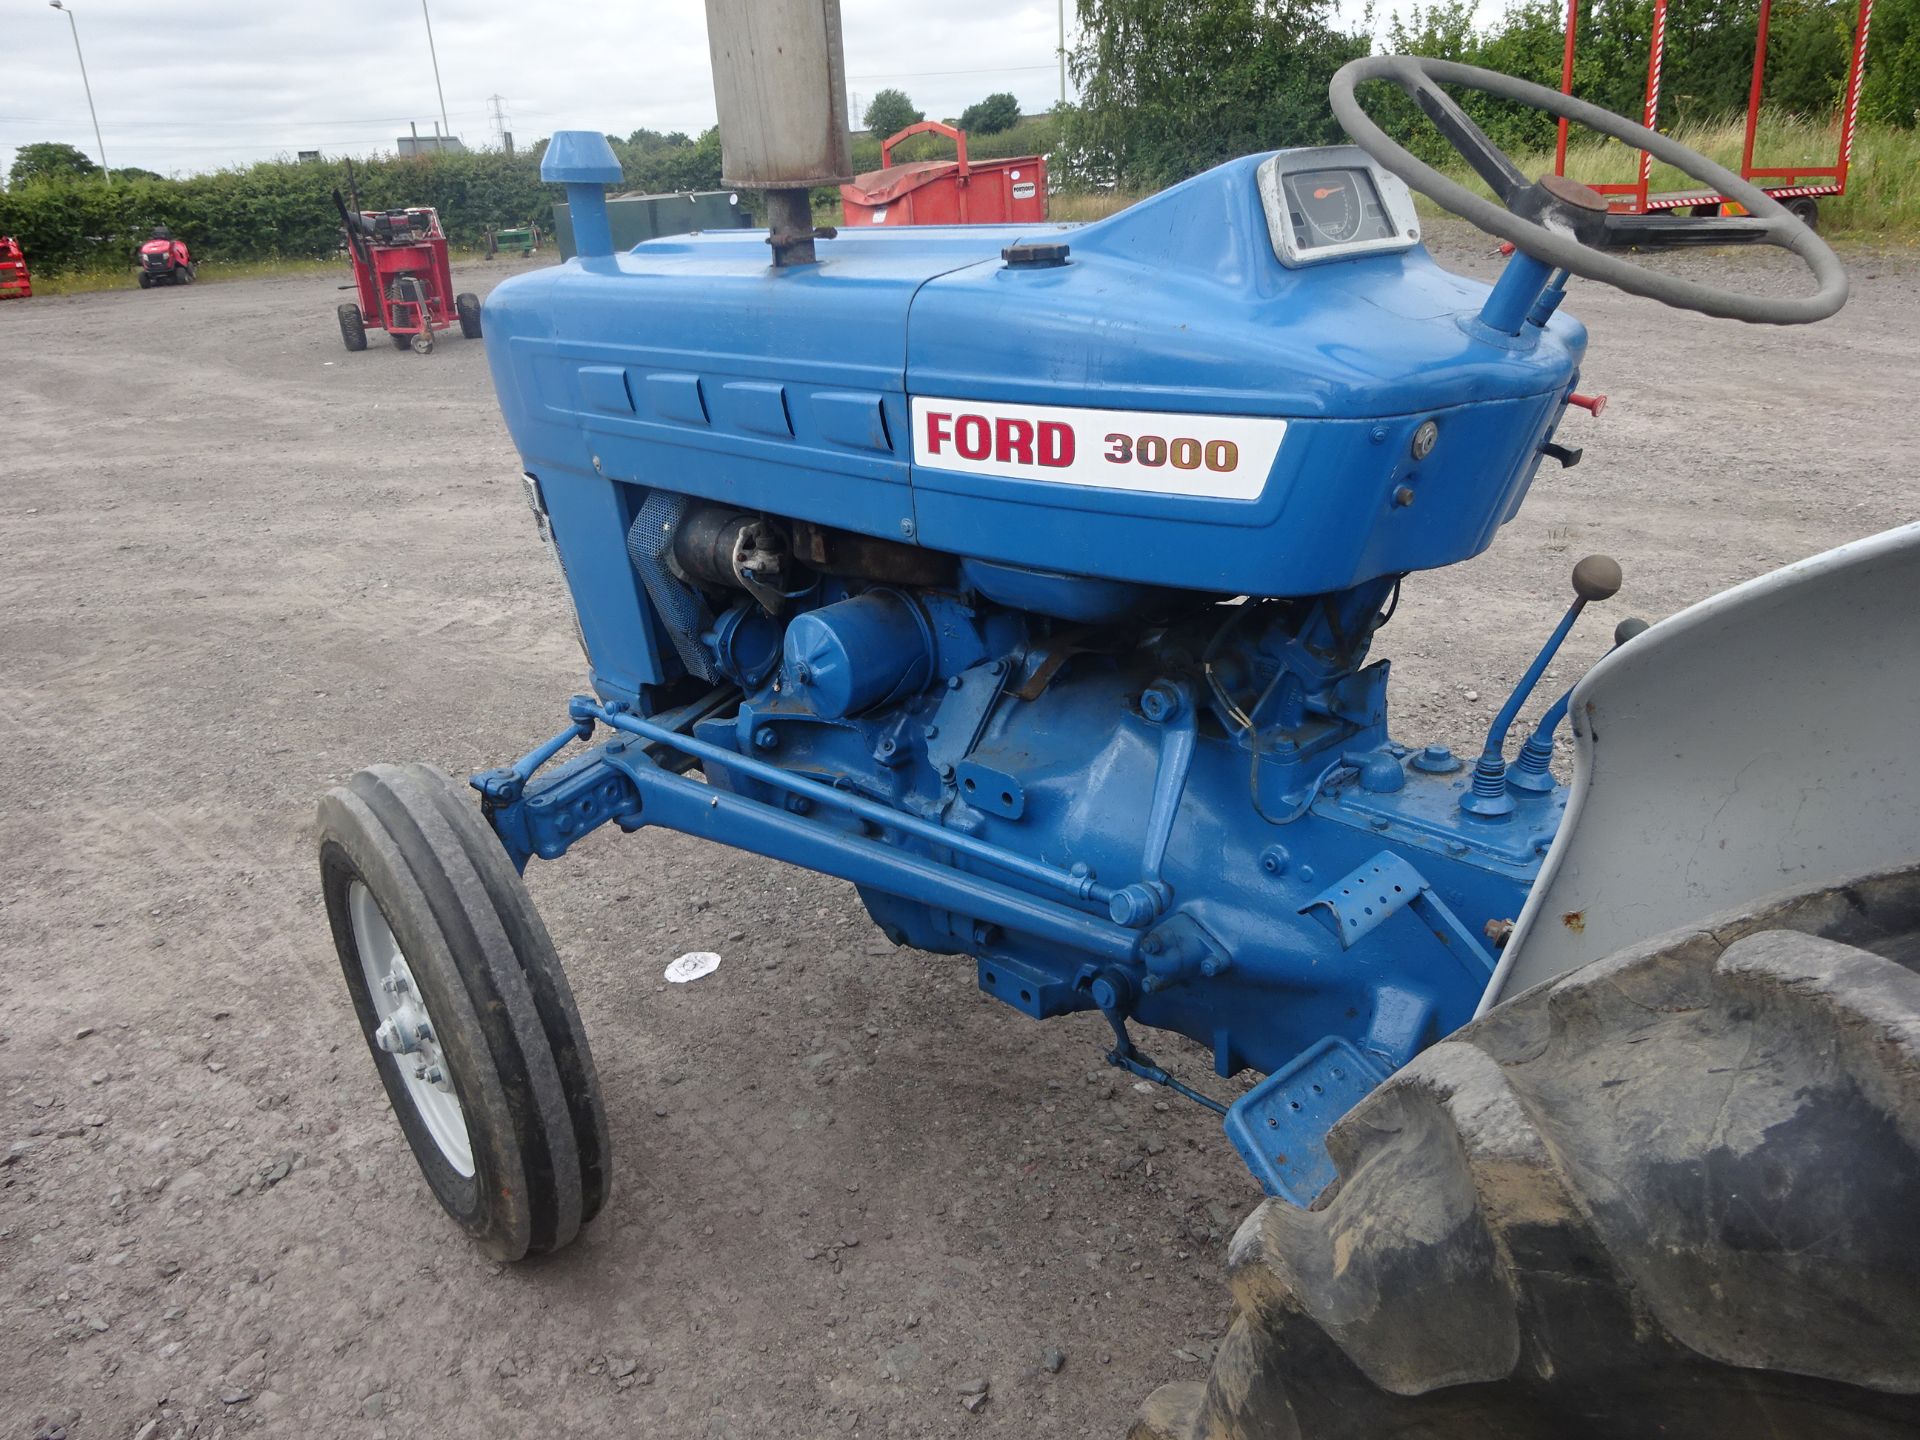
(1279, 1126)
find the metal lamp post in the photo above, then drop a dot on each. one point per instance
(434, 55)
(87, 85)
(1063, 52)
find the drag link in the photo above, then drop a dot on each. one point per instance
(1081, 887)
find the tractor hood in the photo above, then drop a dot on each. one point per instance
(1173, 326)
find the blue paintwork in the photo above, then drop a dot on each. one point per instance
(579, 157)
(584, 162)
(1515, 294)
(1277, 1125)
(1073, 762)
(786, 391)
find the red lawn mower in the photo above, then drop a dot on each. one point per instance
(15, 282)
(406, 286)
(163, 260)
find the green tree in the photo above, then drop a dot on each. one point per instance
(889, 111)
(1891, 91)
(1169, 87)
(998, 112)
(643, 140)
(48, 160)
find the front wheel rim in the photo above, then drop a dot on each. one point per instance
(406, 1031)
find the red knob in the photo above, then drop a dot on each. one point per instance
(1592, 403)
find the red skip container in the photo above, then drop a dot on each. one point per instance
(946, 192)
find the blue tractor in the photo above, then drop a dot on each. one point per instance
(1026, 578)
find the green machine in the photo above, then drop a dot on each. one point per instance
(644, 217)
(524, 238)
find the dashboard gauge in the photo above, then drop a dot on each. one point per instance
(1330, 203)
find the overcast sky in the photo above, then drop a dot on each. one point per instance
(185, 85)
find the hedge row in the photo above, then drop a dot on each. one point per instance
(284, 209)
(268, 211)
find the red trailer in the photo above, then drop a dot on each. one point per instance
(405, 283)
(15, 282)
(946, 192)
(1798, 187)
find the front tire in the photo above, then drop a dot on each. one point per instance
(1670, 1193)
(467, 306)
(146, 280)
(353, 327)
(465, 1009)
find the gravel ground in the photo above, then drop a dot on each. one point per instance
(241, 563)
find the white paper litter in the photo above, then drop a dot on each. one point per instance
(692, 966)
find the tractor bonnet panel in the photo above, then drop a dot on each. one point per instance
(1254, 423)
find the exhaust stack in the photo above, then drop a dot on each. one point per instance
(780, 85)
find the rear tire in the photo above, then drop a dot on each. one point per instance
(1806, 210)
(468, 308)
(511, 1135)
(353, 328)
(1668, 1194)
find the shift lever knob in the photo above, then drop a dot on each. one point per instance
(1597, 578)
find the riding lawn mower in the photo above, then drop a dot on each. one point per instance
(163, 260)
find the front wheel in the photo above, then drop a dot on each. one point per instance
(464, 1007)
(353, 327)
(146, 280)
(1670, 1193)
(468, 308)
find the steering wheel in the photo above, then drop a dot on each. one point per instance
(1561, 222)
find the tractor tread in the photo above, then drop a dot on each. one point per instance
(547, 983)
(1663, 1194)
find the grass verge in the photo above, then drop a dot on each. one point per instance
(1883, 182)
(1882, 202)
